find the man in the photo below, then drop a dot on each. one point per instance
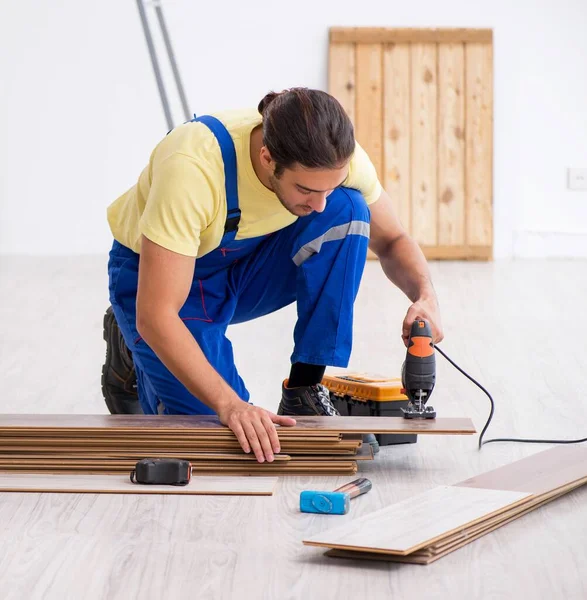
(238, 215)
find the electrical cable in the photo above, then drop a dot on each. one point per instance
(481, 442)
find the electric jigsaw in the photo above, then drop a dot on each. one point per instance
(419, 372)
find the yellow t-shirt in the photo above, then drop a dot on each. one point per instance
(179, 201)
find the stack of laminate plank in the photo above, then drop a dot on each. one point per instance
(426, 527)
(114, 443)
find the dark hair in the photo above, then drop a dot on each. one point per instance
(305, 126)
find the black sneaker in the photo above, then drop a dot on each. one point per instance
(119, 384)
(314, 400)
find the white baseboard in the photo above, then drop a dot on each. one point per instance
(550, 244)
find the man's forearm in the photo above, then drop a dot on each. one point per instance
(177, 349)
(405, 265)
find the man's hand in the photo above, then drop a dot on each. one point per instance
(427, 309)
(254, 428)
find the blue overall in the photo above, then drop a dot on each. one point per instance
(317, 261)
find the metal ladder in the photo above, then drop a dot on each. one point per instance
(155, 63)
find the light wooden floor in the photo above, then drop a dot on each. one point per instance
(517, 326)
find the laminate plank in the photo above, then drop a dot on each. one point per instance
(77, 446)
(188, 436)
(544, 476)
(416, 522)
(309, 470)
(538, 473)
(441, 426)
(81, 456)
(365, 452)
(305, 424)
(501, 518)
(115, 484)
(423, 558)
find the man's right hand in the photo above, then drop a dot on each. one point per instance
(254, 428)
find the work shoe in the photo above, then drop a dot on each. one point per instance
(119, 385)
(313, 400)
(306, 400)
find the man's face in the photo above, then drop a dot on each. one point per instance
(302, 191)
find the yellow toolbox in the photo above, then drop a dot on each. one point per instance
(366, 394)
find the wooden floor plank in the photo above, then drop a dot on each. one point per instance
(543, 477)
(17, 458)
(538, 473)
(494, 522)
(118, 484)
(365, 452)
(418, 521)
(164, 423)
(423, 558)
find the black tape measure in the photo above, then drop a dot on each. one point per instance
(162, 471)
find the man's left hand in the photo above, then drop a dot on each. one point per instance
(427, 309)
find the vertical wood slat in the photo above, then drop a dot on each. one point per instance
(368, 120)
(424, 141)
(396, 128)
(451, 144)
(479, 143)
(341, 76)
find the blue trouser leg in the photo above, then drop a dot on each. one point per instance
(318, 261)
(202, 313)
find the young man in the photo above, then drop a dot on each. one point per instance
(238, 215)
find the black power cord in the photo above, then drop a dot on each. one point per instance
(481, 442)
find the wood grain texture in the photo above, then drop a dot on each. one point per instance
(416, 522)
(395, 35)
(396, 128)
(424, 557)
(365, 452)
(196, 457)
(424, 219)
(306, 424)
(502, 518)
(451, 145)
(115, 484)
(473, 253)
(423, 103)
(331, 469)
(479, 143)
(439, 426)
(369, 103)
(342, 76)
(538, 473)
(543, 477)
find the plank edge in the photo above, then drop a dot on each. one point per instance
(385, 35)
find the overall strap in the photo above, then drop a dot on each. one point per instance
(233, 213)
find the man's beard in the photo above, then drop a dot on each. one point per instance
(296, 210)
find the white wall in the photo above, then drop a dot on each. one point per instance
(80, 112)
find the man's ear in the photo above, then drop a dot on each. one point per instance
(267, 161)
